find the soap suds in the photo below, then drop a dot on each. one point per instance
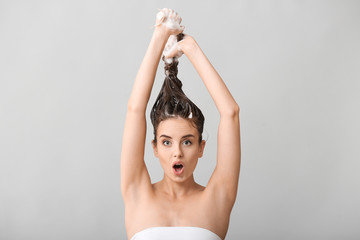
(172, 45)
(171, 20)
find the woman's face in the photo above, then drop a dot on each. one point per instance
(178, 148)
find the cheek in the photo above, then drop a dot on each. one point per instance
(164, 162)
(163, 154)
(164, 150)
(193, 155)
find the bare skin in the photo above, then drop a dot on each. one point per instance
(178, 200)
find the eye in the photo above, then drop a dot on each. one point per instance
(166, 142)
(187, 142)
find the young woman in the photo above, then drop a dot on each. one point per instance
(177, 207)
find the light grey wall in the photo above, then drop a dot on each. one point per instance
(66, 72)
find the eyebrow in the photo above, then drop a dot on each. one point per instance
(186, 136)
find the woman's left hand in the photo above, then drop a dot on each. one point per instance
(174, 48)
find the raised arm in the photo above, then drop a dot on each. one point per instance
(226, 174)
(134, 175)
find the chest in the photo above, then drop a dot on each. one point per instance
(198, 211)
(170, 212)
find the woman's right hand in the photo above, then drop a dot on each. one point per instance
(169, 21)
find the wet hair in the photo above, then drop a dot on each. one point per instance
(172, 101)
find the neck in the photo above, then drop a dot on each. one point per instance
(178, 189)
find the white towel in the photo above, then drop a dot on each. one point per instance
(175, 233)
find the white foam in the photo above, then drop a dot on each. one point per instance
(190, 115)
(171, 20)
(171, 46)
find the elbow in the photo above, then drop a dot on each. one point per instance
(131, 107)
(236, 110)
(231, 111)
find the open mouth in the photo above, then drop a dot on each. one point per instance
(178, 168)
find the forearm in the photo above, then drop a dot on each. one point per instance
(222, 97)
(145, 77)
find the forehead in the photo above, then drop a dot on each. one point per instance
(176, 127)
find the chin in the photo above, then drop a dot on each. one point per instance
(178, 179)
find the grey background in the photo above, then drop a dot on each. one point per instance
(66, 72)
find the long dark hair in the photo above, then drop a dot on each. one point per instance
(172, 101)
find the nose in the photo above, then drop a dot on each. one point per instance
(177, 152)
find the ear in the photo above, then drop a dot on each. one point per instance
(154, 148)
(201, 148)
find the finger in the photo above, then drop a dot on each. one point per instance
(172, 13)
(177, 19)
(178, 47)
(161, 19)
(172, 53)
(160, 16)
(166, 11)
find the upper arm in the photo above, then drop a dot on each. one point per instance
(224, 179)
(134, 174)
